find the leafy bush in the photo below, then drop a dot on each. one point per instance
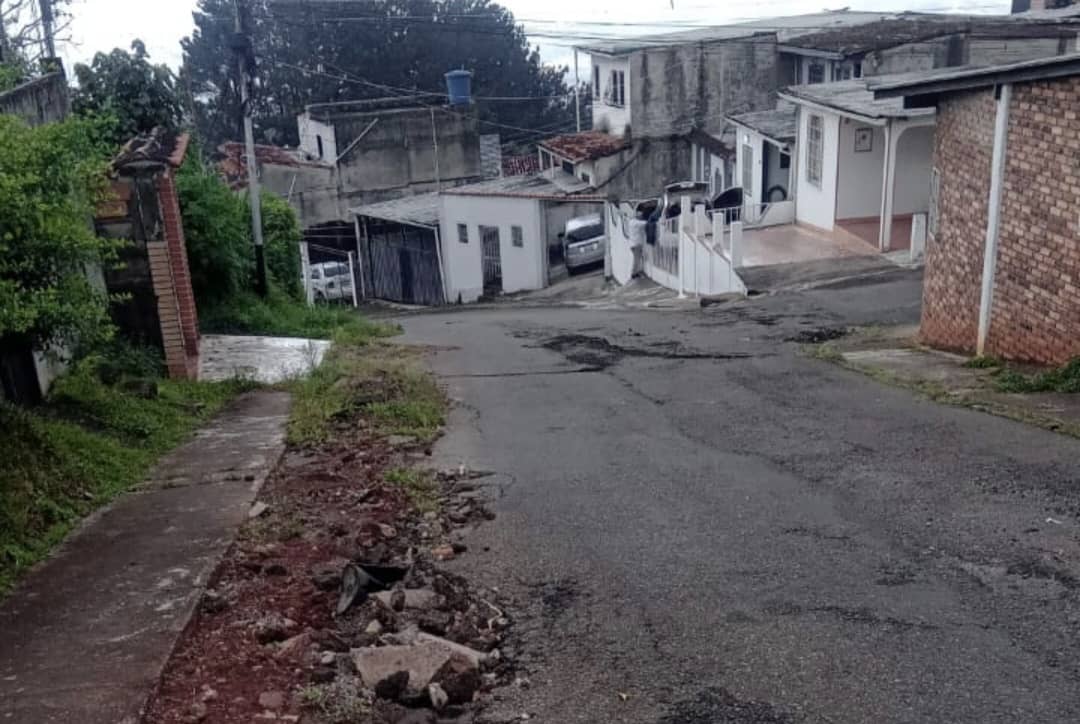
(282, 316)
(140, 95)
(51, 179)
(282, 237)
(89, 442)
(217, 231)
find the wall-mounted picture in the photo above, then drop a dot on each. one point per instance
(864, 140)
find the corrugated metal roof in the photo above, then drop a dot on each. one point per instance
(853, 96)
(554, 185)
(419, 210)
(944, 79)
(784, 27)
(778, 124)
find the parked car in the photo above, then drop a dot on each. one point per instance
(331, 281)
(584, 241)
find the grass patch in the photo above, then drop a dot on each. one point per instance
(1063, 379)
(983, 363)
(91, 440)
(826, 352)
(419, 485)
(363, 377)
(283, 316)
(341, 702)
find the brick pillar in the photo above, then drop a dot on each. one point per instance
(180, 272)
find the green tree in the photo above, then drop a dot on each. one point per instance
(282, 236)
(321, 51)
(217, 232)
(51, 179)
(127, 86)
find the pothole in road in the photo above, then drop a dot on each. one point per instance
(818, 335)
(600, 353)
(719, 706)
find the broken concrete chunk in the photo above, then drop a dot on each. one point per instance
(439, 698)
(417, 599)
(258, 510)
(295, 647)
(459, 678)
(272, 628)
(272, 700)
(423, 658)
(444, 552)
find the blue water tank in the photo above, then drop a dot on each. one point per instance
(459, 87)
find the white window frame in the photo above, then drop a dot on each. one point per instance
(815, 149)
(616, 95)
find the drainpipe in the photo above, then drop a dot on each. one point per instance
(993, 214)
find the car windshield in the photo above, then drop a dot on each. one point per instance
(585, 233)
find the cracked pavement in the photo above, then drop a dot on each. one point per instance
(701, 524)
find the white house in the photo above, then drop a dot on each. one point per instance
(763, 168)
(494, 237)
(862, 165)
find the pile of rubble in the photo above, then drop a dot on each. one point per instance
(334, 606)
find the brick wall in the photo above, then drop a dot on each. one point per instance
(1036, 312)
(179, 271)
(963, 147)
(1036, 301)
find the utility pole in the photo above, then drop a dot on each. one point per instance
(47, 28)
(245, 60)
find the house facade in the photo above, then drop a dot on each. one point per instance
(1003, 253)
(494, 237)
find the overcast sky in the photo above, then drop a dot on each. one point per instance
(105, 24)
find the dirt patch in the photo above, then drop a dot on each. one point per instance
(266, 644)
(818, 335)
(599, 353)
(719, 706)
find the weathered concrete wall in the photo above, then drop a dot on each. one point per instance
(311, 190)
(396, 157)
(647, 167)
(675, 89)
(43, 100)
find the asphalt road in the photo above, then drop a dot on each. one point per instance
(699, 523)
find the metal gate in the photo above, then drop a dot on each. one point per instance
(489, 238)
(405, 265)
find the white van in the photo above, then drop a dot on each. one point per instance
(331, 281)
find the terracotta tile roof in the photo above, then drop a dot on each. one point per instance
(585, 146)
(158, 146)
(520, 165)
(233, 160)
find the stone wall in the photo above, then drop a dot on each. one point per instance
(963, 148)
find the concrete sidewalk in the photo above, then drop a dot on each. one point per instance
(87, 633)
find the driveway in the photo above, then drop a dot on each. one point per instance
(700, 524)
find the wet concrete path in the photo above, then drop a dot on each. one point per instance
(86, 634)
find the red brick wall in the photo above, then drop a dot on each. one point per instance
(181, 274)
(963, 146)
(1036, 312)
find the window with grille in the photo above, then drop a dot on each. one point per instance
(517, 236)
(815, 149)
(617, 91)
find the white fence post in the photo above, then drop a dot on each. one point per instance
(305, 270)
(352, 275)
(684, 214)
(736, 244)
